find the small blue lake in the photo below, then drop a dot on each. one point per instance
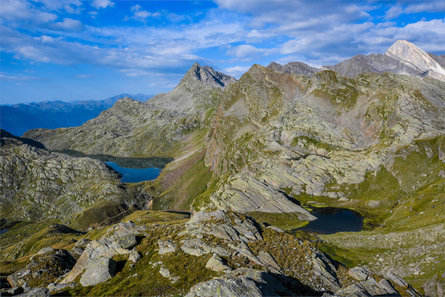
(331, 220)
(135, 175)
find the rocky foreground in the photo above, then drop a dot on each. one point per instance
(212, 254)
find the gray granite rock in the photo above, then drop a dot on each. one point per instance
(166, 246)
(98, 271)
(241, 282)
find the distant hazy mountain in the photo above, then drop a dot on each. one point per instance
(402, 57)
(20, 118)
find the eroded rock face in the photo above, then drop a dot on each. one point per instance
(241, 282)
(38, 184)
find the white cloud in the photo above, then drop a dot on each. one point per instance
(236, 71)
(69, 25)
(18, 77)
(393, 12)
(282, 13)
(429, 6)
(99, 4)
(425, 34)
(141, 14)
(68, 5)
(245, 50)
(19, 10)
(294, 29)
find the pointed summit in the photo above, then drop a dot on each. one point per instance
(193, 92)
(207, 75)
(416, 58)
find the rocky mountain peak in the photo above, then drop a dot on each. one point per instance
(294, 68)
(126, 100)
(403, 49)
(192, 93)
(207, 75)
(415, 57)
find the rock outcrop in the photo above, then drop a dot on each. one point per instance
(241, 282)
(95, 264)
(237, 257)
(36, 183)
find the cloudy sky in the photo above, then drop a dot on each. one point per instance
(74, 49)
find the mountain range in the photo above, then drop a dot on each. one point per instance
(19, 118)
(251, 159)
(402, 57)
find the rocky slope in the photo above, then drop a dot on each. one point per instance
(160, 127)
(37, 184)
(300, 135)
(273, 144)
(192, 93)
(402, 57)
(416, 58)
(212, 254)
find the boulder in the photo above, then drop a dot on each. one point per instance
(165, 272)
(106, 247)
(166, 247)
(217, 264)
(124, 234)
(386, 285)
(134, 256)
(197, 247)
(359, 273)
(395, 278)
(98, 271)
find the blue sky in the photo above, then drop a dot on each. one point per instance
(74, 49)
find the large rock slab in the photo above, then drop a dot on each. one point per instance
(98, 271)
(241, 282)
